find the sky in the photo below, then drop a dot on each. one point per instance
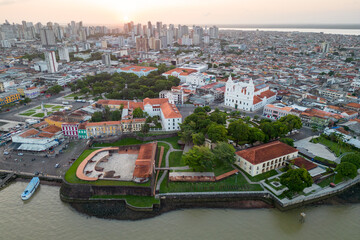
(114, 12)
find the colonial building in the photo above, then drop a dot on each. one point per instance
(265, 157)
(168, 113)
(247, 96)
(138, 70)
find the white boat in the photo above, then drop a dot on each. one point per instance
(30, 189)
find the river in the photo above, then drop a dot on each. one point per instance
(306, 30)
(46, 217)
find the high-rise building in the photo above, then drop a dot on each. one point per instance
(142, 44)
(64, 54)
(51, 62)
(47, 37)
(106, 60)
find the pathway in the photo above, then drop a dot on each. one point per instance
(338, 160)
(171, 149)
(315, 148)
(247, 179)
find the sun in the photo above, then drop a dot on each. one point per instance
(126, 18)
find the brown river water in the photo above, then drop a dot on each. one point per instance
(45, 216)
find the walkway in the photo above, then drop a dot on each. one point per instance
(315, 148)
(171, 149)
(338, 160)
(246, 177)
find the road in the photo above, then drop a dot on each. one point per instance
(45, 165)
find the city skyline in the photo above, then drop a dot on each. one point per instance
(111, 12)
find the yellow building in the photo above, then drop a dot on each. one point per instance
(21, 91)
(55, 120)
(6, 98)
(113, 128)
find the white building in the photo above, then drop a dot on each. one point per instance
(64, 54)
(51, 63)
(247, 96)
(265, 157)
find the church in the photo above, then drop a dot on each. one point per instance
(247, 96)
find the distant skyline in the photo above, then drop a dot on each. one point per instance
(234, 12)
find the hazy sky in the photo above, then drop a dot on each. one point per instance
(183, 11)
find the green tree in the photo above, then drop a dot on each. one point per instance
(291, 121)
(55, 89)
(296, 179)
(287, 141)
(199, 109)
(207, 109)
(346, 169)
(97, 117)
(218, 117)
(138, 113)
(186, 133)
(115, 115)
(200, 158)
(353, 158)
(239, 130)
(217, 133)
(145, 128)
(224, 153)
(198, 138)
(255, 134)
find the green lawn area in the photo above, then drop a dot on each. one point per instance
(173, 141)
(28, 113)
(175, 159)
(39, 115)
(338, 179)
(224, 168)
(48, 105)
(136, 201)
(39, 107)
(57, 107)
(72, 95)
(261, 176)
(70, 175)
(333, 146)
(233, 183)
(126, 141)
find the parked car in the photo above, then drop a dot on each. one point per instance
(6, 153)
(57, 165)
(20, 154)
(332, 185)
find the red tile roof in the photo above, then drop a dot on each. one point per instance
(52, 129)
(155, 101)
(28, 133)
(138, 68)
(266, 152)
(145, 162)
(180, 71)
(170, 110)
(303, 163)
(353, 105)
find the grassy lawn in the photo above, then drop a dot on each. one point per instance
(261, 176)
(175, 159)
(39, 107)
(233, 183)
(338, 179)
(334, 146)
(39, 115)
(173, 141)
(48, 106)
(57, 107)
(72, 95)
(126, 141)
(136, 201)
(224, 168)
(275, 180)
(28, 113)
(70, 175)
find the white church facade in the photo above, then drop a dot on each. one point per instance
(247, 96)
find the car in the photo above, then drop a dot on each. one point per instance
(20, 154)
(33, 159)
(57, 165)
(6, 153)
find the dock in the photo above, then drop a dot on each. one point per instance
(9, 177)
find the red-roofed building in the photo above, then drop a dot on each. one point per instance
(138, 70)
(181, 73)
(265, 157)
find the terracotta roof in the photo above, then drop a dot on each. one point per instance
(155, 101)
(40, 124)
(266, 152)
(267, 94)
(180, 71)
(46, 134)
(138, 68)
(256, 100)
(28, 133)
(52, 129)
(145, 161)
(303, 163)
(170, 110)
(91, 124)
(353, 105)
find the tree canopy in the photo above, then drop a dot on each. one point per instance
(353, 158)
(217, 133)
(138, 113)
(200, 158)
(296, 179)
(224, 153)
(346, 169)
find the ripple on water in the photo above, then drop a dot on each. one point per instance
(46, 217)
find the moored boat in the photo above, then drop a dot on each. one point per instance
(30, 189)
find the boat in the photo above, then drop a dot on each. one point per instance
(30, 189)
